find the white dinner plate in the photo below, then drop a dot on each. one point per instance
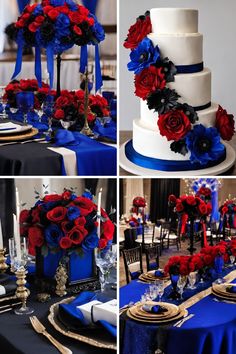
(10, 128)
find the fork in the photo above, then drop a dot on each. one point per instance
(185, 320)
(39, 328)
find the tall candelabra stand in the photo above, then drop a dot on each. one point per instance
(3, 265)
(86, 129)
(61, 279)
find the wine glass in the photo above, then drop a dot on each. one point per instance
(25, 102)
(48, 108)
(66, 124)
(160, 289)
(192, 277)
(103, 262)
(181, 284)
(3, 102)
(104, 120)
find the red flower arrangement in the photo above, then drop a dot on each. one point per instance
(191, 206)
(204, 193)
(31, 85)
(65, 221)
(139, 202)
(174, 125)
(138, 31)
(225, 124)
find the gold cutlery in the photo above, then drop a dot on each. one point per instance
(185, 320)
(39, 328)
(226, 301)
(10, 305)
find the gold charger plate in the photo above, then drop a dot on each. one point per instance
(52, 317)
(221, 290)
(172, 310)
(225, 297)
(147, 277)
(181, 314)
(20, 137)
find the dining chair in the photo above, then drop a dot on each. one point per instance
(168, 237)
(133, 263)
(152, 257)
(147, 237)
(130, 236)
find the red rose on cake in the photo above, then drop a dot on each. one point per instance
(174, 125)
(148, 81)
(137, 32)
(225, 124)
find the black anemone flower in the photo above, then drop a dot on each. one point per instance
(11, 32)
(163, 101)
(86, 37)
(189, 112)
(142, 17)
(169, 69)
(71, 113)
(29, 37)
(179, 147)
(47, 31)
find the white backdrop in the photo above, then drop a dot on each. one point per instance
(218, 25)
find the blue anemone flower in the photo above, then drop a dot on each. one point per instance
(204, 144)
(143, 56)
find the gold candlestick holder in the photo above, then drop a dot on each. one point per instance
(86, 129)
(3, 265)
(61, 279)
(22, 292)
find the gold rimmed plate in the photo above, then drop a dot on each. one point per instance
(182, 313)
(224, 296)
(170, 310)
(221, 289)
(20, 137)
(88, 337)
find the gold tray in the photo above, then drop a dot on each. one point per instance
(172, 310)
(181, 314)
(52, 317)
(20, 137)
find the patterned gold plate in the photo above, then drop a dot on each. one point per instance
(221, 290)
(172, 310)
(89, 339)
(150, 277)
(225, 297)
(20, 137)
(181, 314)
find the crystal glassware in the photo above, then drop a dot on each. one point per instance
(25, 102)
(104, 262)
(181, 284)
(160, 289)
(3, 102)
(219, 264)
(232, 260)
(66, 124)
(48, 109)
(104, 120)
(192, 278)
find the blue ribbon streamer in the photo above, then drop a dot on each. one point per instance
(98, 73)
(83, 58)
(20, 42)
(215, 215)
(91, 5)
(37, 66)
(189, 69)
(201, 108)
(165, 165)
(50, 64)
(22, 4)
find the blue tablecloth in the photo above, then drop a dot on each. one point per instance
(211, 331)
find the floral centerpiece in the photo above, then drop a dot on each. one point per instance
(176, 120)
(64, 227)
(56, 25)
(228, 214)
(204, 193)
(138, 202)
(190, 208)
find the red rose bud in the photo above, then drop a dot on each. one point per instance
(90, 21)
(224, 210)
(225, 124)
(172, 198)
(66, 195)
(108, 230)
(63, 9)
(77, 30)
(48, 8)
(30, 8)
(102, 243)
(174, 125)
(137, 32)
(59, 114)
(24, 216)
(179, 207)
(57, 214)
(80, 221)
(83, 10)
(35, 213)
(34, 26)
(202, 208)
(35, 235)
(190, 200)
(65, 242)
(96, 224)
(77, 234)
(75, 17)
(39, 19)
(20, 24)
(148, 81)
(52, 198)
(53, 14)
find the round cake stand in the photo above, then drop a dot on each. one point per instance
(211, 171)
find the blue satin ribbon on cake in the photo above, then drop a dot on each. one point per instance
(189, 69)
(93, 158)
(165, 165)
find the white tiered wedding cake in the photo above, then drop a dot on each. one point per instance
(180, 129)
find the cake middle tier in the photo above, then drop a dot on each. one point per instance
(148, 141)
(181, 49)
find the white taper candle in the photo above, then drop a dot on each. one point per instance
(99, 211)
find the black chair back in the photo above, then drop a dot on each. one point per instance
(130, 237)
(152, 257)
(132, 256)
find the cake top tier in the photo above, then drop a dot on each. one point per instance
(174, 20)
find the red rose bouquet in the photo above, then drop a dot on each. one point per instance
(138, 202)
(65, 221)
(204, 193)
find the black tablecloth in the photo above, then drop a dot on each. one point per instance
(18, 337)
(31, 159)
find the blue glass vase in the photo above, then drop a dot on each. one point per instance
(219, 264)
(174, 295)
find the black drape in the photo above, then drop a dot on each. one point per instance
(111, 202)
(91, 184)
(7, 208)
(160, 190)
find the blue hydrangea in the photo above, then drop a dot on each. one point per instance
(143, 56)
(204, 144)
